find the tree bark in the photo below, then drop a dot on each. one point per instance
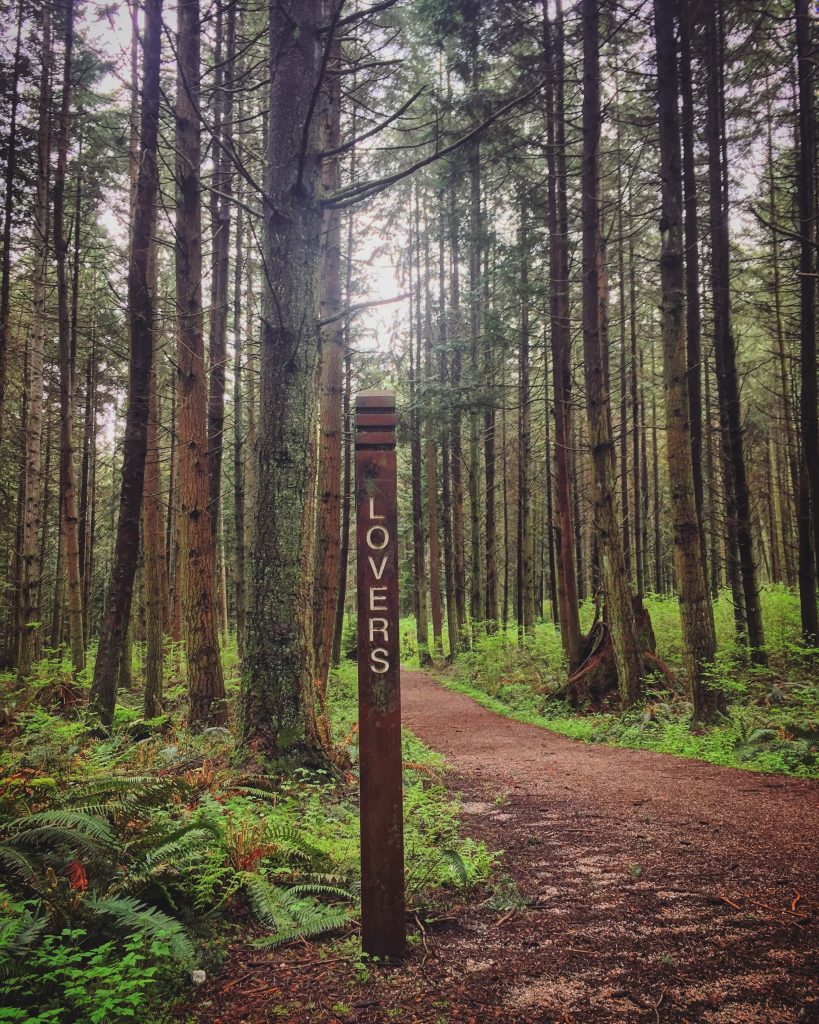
(636, 404)
(416, 470)
(328, 521)
(347, 429)
(477, 591)
(220, 233)
(141, 329)
(239, 453)
(431, 463)
(693, 319)
(154, 569)
(8, 199)
(526, 588)
(32, 568)
(197, 554)
(278, 699)
(61, 241)
(567, 590)
(619, 603)
(699, 637)
(724, 342)
(808, 415)
(453, 624)
(458, 524)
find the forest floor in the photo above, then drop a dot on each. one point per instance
(635, 887)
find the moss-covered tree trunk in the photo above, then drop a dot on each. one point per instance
(278, 717)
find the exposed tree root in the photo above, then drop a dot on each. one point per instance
(596, 676)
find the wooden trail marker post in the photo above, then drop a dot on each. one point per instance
(383, 926)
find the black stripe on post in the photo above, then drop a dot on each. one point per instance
(383, 928)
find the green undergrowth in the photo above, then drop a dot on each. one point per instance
(130, 861)
(772, 722)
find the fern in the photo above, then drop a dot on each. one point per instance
(287, 911)
(172, 851)
(456, 862)
(16, 862)
(136, 917)
(87, 828)
(17, 937)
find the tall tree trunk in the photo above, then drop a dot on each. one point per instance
(453, 624)
(489, 415)
(431, 465)
(724, 342)
(549, 525)
(220, 233)
(708, 440)
(788, 417)
(86, 472)
(526, 587)
(693, 320)
(69, 512)
(699, 637)
(458, 525)
(567, 570)
(659, 577)
(45, 535)
(197, 549)
(239, 453)
(141, 329)
(278, 699)
(347, 428)
(636, 404)
(507, 561)
(328, 521)
(154, 570)
(621, 309)
(8, 199)
(808, 414)
(416, 471)
(172, 529)
(619, 603)
(477, 591)
(32, 566)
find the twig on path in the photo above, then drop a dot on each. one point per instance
(766, 906)
(657, 1004)
(506, 917)
(236, 981)
(774, 910)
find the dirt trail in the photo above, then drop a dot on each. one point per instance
(766, 823)
(629, 858)
(634, 887)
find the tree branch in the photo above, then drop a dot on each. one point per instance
(365, 189)
(347, 146)
(358, 307)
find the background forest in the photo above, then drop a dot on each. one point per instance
(578, 240)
